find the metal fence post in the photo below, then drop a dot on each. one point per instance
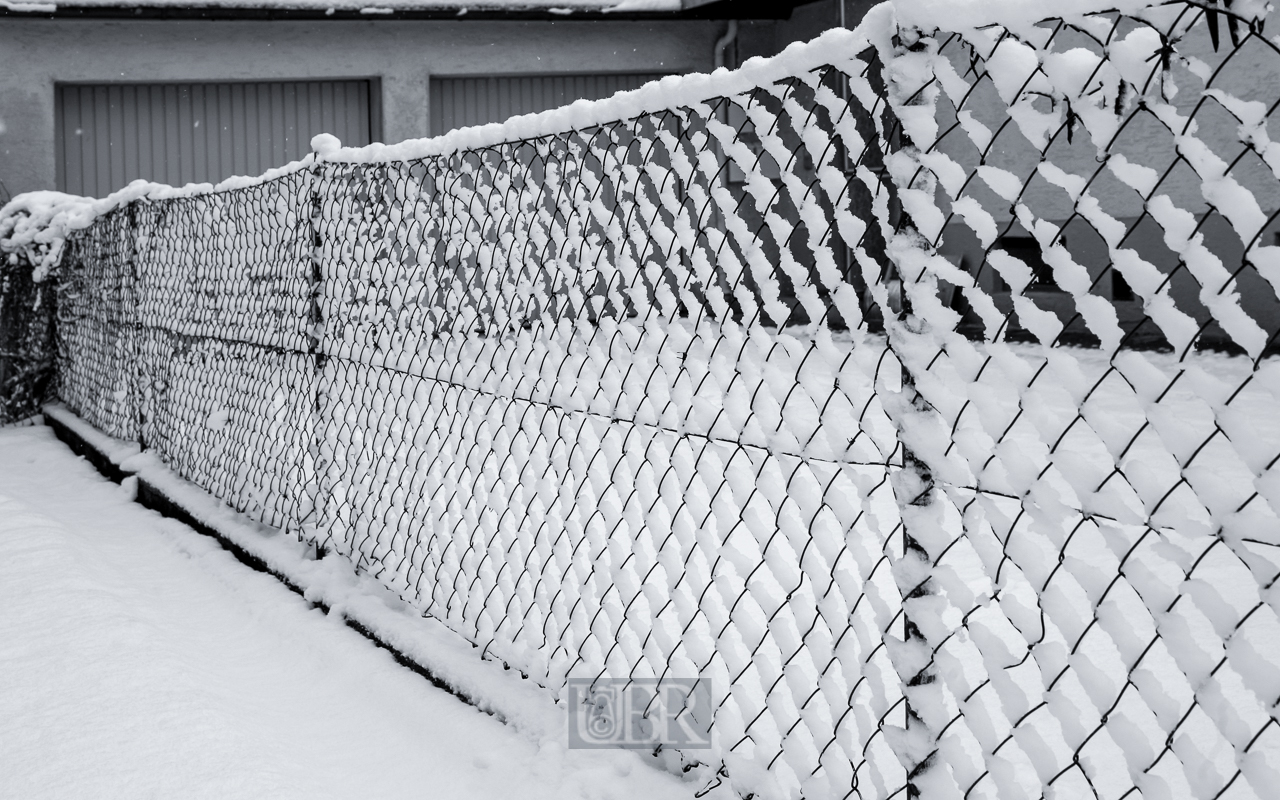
(311, 517)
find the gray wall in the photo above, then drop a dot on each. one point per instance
(404, 55)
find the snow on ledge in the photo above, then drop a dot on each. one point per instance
(29, 8)
(117, 451)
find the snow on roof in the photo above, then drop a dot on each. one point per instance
(375, 7)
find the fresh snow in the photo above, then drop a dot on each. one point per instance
(141, 659)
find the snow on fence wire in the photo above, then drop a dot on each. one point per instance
(768, 384)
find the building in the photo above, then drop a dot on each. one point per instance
(96, 93)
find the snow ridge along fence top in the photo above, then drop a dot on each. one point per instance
(913, 387)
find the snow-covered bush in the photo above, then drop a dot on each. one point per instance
(30, 245)
(26, 341)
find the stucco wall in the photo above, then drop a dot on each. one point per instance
(40, 53)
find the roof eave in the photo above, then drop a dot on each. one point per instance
(693, 10)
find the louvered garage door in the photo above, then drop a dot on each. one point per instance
(178, 133)
(461, 102)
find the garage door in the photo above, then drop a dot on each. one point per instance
(462, 102)
(178, 133)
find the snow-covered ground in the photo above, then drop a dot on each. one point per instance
(139, 659)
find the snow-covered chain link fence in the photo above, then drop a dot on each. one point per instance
(769, 386)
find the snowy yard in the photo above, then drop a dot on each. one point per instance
(140, 659)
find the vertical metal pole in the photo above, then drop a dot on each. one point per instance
(914, 489)
(315, 332)
(131, 326)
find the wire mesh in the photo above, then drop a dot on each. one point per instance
(224, 363)
(555, 419)
(888, 396)
(97, 324)
(1098, 556)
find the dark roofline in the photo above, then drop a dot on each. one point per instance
(693, 10)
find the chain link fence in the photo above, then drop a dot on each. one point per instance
(920, 398)
(1096, 549)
